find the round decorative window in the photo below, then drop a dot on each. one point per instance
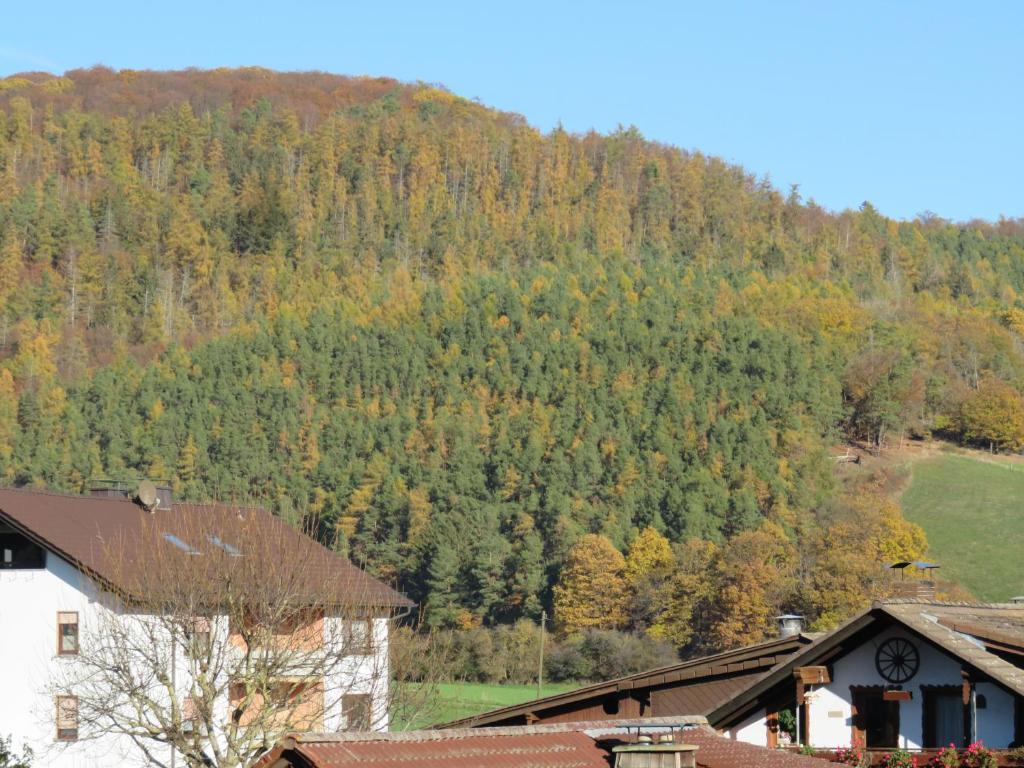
(897, 660)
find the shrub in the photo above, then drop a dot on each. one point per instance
(977, 755)
(899, 759)
(601, 654)
(949, 757)
(8, 759)
(850, 756)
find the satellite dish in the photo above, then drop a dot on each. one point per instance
(147, 495)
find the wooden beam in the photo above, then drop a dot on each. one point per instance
(896, 696)
(816, 675)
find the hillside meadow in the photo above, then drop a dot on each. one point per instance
(971, 510)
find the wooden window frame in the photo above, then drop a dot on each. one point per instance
(367, 647)
(61, 650)
(66, 734)
(928, 740)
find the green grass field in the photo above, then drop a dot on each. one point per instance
(973, 513)
(457, 700)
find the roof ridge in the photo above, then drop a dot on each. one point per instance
(945, 603)
(681, 721)
(60, 494)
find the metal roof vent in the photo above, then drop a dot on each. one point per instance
(790, 624)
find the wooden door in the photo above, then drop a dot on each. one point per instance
(876, 722)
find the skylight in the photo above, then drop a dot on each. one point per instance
(229, 548)
(183, 546)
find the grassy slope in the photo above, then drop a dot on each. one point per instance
(464, 699)
(973, 513)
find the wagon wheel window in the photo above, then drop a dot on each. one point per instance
(897, 660)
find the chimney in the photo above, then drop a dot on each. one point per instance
(914, 589)
(645, 753)
(790, 624)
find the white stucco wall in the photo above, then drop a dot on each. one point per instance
(361, 674)
(29, 602)
(831, 705)
(753, 730)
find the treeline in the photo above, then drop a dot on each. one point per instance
(511, 654)
(462, 348)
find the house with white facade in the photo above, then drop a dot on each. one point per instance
(911, 673)
(116, 598)
(914, 674)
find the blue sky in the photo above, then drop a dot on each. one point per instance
(912, 105)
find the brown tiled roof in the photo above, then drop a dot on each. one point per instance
(695, 686)
(87, 530)
(715, 751)
(945, 624)
(940, 622)
(561, 745)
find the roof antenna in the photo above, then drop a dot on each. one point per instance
(147, 496)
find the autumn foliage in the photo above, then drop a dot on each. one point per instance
(457, 347)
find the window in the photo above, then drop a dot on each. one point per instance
(876, 722)
(67, 633)
(20, 553)
(197, 636)
(183, 546)
(359, 638)
(945, 716)
(189, 715)
(67, 718)
(355, 709)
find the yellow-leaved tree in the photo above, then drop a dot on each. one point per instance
(847, 561)
(648, 570)
(591, 592)
(994, 415)
(755, 573)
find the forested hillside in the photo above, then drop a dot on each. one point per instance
(458, 346)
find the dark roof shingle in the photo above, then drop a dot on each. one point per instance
(88, 530)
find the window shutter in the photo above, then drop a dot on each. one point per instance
(67, 718)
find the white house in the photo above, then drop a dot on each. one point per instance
(912, 673)
(906, 673)
(70, 574)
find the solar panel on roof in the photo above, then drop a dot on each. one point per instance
(229, 548)
(183, 546)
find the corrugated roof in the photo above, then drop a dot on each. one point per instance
(710, 679)
(108, 538)
(563, 745)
